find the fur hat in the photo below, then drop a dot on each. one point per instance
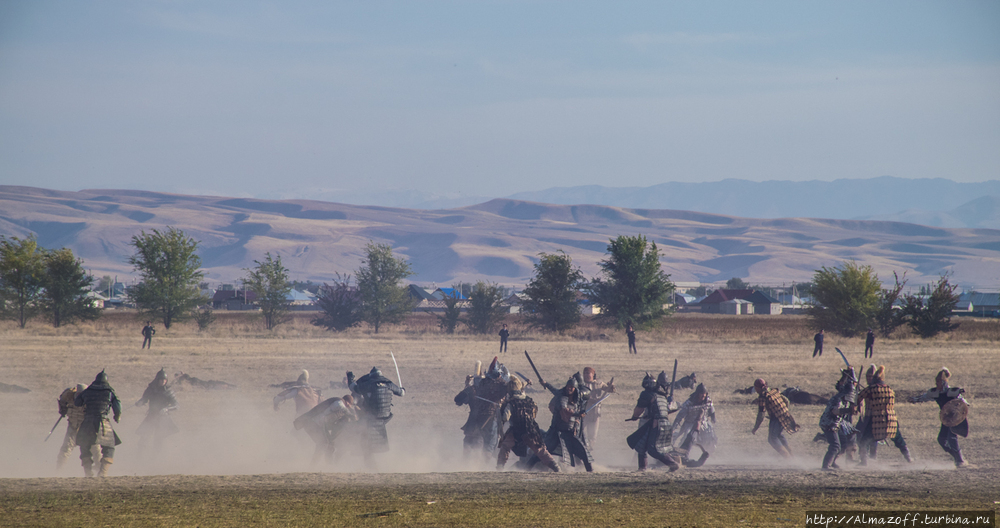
(944, 374)
(304, 376)
(515, 384)
(879, 375)
(759, 384)
(348, 399)
(589, 372)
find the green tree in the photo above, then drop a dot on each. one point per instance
(168, 265)
(269, 280)
(931, 314)
(736, 283)
(888, 317)
(66, 288)
(448, 321)
(551, 301)
(383, 299)
(204, 318)
(846, 297)
(634, 287)
(21, 278)
(340, 305)
(485, 312)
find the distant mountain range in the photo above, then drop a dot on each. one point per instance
(497, 241)
(933, 202)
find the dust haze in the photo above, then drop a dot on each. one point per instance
(237, 431)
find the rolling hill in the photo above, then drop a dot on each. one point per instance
(498, 240)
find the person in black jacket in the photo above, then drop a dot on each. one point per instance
(818, 349)
(870, 344)
(504, 334)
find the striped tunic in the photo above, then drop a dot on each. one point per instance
(777, 409)
(880, 404)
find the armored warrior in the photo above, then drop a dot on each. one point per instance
(305, 395)
(375, 392)
(74, 417)
(835, 422)
(324, 422)
(695, 426)
(157, 425)
(779, 418)
(653, 438)
(564, 437)
(954, 414)
(99, 399)
(484, 396)
(597, 390)
(523, 433)
(879, 420)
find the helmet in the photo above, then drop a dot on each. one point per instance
(661, 379)
(101, 378)
(571, 382)
(498, 371)
(847, 380)
(161, 376)
(648, 382)
(304, 376)
(375, 373)
(700, 390)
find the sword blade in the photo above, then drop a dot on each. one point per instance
(533, 367)
(398, 379)
(848, 363)
(598, 402)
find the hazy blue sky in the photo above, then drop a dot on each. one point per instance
(336, 99)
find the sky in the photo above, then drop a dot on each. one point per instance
(344, 101)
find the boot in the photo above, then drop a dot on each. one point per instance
(554, 467)
(88, 469)
(696, 463)
(784, 452)
(959, 460)
(906, 454)
(588, 466)
(642, 463)
(105, 462)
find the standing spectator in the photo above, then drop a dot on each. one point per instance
(870, 344)
(818, 349)
(504, 334)
(630, 332)
(147, 335)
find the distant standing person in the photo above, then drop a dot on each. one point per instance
(630, 332)
(147, 335)
(818, 349)
(870, 344)
(504, 334)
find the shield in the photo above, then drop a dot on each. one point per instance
(954, 412)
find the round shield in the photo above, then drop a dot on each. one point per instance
(954, 412)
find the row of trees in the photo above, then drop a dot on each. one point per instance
(35, 280)
(849, 299)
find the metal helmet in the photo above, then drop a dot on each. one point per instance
(571, 382)
(101, 378)
(648, 382)
(661, 379)
(161, 375)
(700, 390)
(847, 380)
(375, 373)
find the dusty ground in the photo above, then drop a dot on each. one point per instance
(234, 447)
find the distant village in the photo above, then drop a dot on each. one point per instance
(729, 301)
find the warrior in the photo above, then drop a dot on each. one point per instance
(484, 396)
(954, 421)
(654, 435)
(564, 435)
(305, 395)
(74, 417)
(98, 399)
(835, 422)
(324, 422)
(375, 391)
(879, 421)
(520, 411)
(157, 425)
(598, 390)
(695, 426)
(779, 418)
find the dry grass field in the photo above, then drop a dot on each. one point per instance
(238, 462)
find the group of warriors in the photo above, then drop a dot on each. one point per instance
(497, 398)
(503, 418)
(877, 420)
